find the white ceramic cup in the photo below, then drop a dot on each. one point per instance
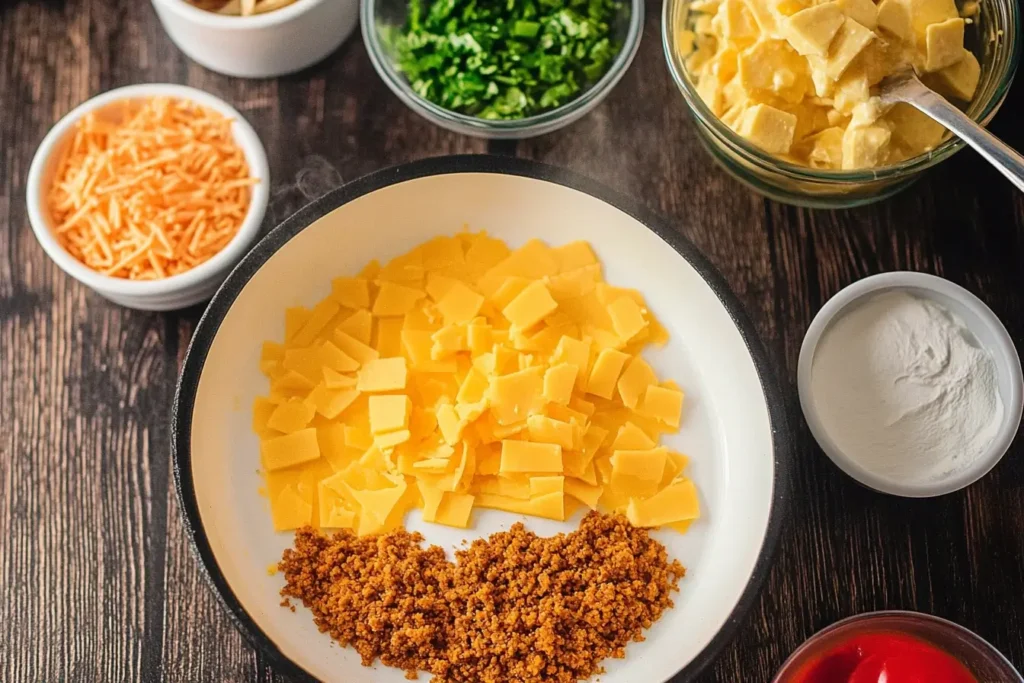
(264, 45)
(176, 291)
(982, 323)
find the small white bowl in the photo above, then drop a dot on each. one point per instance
(176, 291)
(982, 323)
(262, 46)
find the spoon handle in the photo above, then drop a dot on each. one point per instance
(998, 153)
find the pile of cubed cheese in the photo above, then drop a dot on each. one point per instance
(795, 77)
(462, 375)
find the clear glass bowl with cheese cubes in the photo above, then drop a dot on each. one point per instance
(784, 92)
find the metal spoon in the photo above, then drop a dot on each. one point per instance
(906, 87)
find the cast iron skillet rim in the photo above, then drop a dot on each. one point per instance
(209, 324)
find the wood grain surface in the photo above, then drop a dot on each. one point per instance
(98, 582)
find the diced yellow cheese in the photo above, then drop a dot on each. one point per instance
(959, 81)
(379, 503)
(331, 402)
(291, 416)
(769, 128)
(460, 304)
(290, 510)
(586, 493)
(354, 348)
(632, 438)
(913, 129)
(546, 485)
(454, 510)
(515, 396)
(389, 413)
(448, 341)
(523, 457)
(675, 503)
(290, 449)
(262, 409)
(470, 380)
(333, 358)
(396, 299)
(558, 383)
(810, 31)
(663, 404)
(864, 147)
(894, 17)
(334, 514)
(605, 373)
(850, 41)
(627, 318)
(545, 430)
(530, 306)
(645, 465)
(389, 440)
(359, 326)
(633, 382)
(773, 67)
(473, 387)
(863, 12)
(924, 13)
(448, 422)
(336, 380)
(827, 150)
(315, 323)
(351, 292)
(551, 506)
(382, 374)
(573, 256)
(388, 340)
(944, 44)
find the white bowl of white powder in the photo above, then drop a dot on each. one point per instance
(910, 384)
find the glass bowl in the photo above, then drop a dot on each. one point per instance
(378, 16)
(994, 39)
(970, 649)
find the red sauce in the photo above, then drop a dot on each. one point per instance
(884, 658)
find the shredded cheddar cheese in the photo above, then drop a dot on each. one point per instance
(467, 375)
(150, 188)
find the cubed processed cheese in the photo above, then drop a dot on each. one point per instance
(810, 31)
(463, 375)
(790, 75)
(944, 44)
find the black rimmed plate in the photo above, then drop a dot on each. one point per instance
(734, 427)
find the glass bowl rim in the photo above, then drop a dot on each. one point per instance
(866, 618)
(771, 163)
(400, 85)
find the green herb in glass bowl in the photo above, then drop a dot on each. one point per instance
(507, 59)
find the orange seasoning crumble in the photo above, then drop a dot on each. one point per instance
(513, 607)
(150, 188)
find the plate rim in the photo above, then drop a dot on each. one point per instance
(211, 319)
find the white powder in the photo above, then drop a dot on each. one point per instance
(902, 387)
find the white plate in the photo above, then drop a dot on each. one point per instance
(734, 424)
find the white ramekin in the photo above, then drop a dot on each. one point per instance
(985, 327)
(260, 46)
(177, 291)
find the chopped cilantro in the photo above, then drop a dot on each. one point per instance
(505, 59)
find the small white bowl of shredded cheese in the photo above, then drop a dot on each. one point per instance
(910, 384)
(172, 288)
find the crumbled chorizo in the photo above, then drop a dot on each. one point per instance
(513, 607)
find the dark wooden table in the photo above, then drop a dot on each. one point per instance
(97, 579)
